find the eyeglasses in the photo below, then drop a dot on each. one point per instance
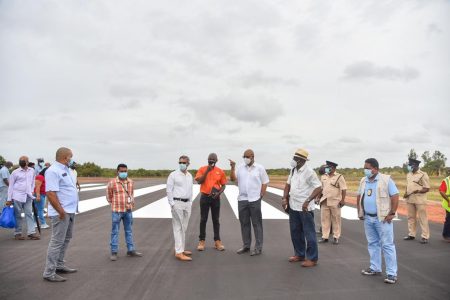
(246, 156)
(182, 163)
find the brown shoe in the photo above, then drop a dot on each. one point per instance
(182, 257)
(296, 258)
(201, 245)
(187, 252)
(19, 237)
(218, 245)
(34, 236)
(309, 263)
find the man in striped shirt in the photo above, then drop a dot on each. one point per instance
(120, 195)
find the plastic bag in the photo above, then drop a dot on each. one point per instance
(7, 218)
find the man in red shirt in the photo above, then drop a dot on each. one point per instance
(444, 190)
(212, 182)
(120, 195)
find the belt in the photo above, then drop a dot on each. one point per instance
(181, 199)
(371, 215)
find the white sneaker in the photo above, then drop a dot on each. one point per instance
(45, 226)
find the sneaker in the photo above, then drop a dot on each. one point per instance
(369, 272)
(134, 253)
(409, 238)
(322, 241)
(424, 241)
(201, 245)
(113, 256)
(391, 279)
(45, 226)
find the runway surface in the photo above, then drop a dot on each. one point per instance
(424, 270)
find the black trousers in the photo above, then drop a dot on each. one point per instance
(207, 203)
(446, 230)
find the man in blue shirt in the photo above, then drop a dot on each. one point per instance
(4, 183)
(377, 203)
(63, 200)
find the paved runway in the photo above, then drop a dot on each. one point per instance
(424, 270)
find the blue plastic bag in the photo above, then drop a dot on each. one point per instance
(7, 218)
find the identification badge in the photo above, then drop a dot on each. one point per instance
(369, 192)
(129, 200)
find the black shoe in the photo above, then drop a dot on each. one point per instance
(242, 250)
(409, 238)
(113, 256)
(134, 253)
(370, 272)
(424, 241)
(65, 270)
(323, 241)
(256, 252)
(55, 278)
(335, 241)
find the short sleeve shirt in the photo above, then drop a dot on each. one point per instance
(42, 180)
(303, 182)
(415, 182)
(216, 178)
(250, 180)
(332, 188)
(370, 194)
(4, 174)
(58, 179)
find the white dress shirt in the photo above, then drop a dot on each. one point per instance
(179, 185)
(303, 182)
(250, 179)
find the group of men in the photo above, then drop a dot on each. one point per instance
(377, 203)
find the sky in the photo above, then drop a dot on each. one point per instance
(143, 82)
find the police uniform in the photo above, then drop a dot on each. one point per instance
(417, 202)
(330, 210)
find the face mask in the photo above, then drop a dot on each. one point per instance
(368, 173)
(211, 163)
(293, 164)
(327, 170)
(22, 163)
(123, 175)
(71, 161)
(41, 164)
(183, 167)
(410, 169)
(247, 161)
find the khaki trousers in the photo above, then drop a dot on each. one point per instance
(418, 213)
(330, 215)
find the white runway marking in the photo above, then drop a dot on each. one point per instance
(90, 204)
(90, 184)
(347, 212)
(160, 209)
(94, 188)
(268, 211)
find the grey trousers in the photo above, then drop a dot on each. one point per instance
(250, 214)
(61, 235)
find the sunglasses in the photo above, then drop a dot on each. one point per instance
(246, 157)
(182, 163)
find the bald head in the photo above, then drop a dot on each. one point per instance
(23, 161)
(249, 157)
(8, 164)
(212, 156)
(63, 155)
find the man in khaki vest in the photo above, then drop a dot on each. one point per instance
(417, 185)
(333, 198)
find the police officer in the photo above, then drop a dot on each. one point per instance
(417, 187)
(333, 198)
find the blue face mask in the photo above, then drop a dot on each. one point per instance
(71, 161)
(410, 169)
(327, 170)
(368, 173)
(183, 167)
(123, 175)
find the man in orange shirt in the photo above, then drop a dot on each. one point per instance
(212, 182)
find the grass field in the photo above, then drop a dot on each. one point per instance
(400, 181)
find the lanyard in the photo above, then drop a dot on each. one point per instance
(126, 190)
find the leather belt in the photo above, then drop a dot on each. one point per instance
(181, 199)
(371, 215)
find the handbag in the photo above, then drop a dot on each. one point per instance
(7, 218)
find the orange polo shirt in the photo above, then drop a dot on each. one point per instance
(215, 178)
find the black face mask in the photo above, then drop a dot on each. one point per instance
(22, 163)
(211, 163)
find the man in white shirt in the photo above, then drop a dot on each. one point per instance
(4, 183)
(252, 180)
(179, 195)
(302, 187)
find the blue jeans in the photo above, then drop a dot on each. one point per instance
(127, 218)
(380, 236)
(27, 208)
(303, 228)
(40, 205)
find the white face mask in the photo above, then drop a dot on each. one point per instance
(247, 161)
(183, 167)
(293, 164)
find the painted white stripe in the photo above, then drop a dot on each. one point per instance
(90, 204)
(268, 211)
(347, 212)
(160, 209)
(94, 188)
(90, 184)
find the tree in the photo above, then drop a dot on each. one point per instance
(89, 169)
(412, 154)
(2, 160)
(434, 164)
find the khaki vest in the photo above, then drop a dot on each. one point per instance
(383, 199)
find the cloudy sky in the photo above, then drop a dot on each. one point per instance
(143, 82)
